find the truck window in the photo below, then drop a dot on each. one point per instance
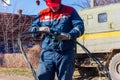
(102, 17)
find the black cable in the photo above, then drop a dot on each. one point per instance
(20, 37)
(26, 58)
(101, 66)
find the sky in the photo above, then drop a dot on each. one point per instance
(29, 7)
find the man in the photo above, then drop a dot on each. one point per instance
(57, 54)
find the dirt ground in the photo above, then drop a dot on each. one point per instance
(75, 77)
(11, 77)
(14, 77)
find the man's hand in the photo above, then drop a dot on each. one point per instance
(64, 36)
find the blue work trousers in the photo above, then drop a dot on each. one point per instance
(59, 62)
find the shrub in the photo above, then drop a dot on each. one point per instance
(16, 60)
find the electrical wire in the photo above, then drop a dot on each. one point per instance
(26, 58)
(94, 58)
(20, 37)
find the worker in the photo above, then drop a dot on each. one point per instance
(57, 55)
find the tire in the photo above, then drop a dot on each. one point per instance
(114, 67)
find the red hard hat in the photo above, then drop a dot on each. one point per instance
(53, 3)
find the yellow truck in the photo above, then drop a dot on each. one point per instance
(101, 38)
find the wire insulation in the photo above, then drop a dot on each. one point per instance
(94, 58)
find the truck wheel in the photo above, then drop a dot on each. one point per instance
(114, 67)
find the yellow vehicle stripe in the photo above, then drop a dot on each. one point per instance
(100, 35)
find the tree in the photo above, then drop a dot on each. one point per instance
(88, 3)
(11, 26)
(105, 2)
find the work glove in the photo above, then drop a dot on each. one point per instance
(47, 29)
(34, 29)
(64, 36)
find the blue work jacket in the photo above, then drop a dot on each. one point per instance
(65, 20)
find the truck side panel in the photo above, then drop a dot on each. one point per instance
(100, 42)
(102, 28)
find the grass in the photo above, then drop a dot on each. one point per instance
(16, 71)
